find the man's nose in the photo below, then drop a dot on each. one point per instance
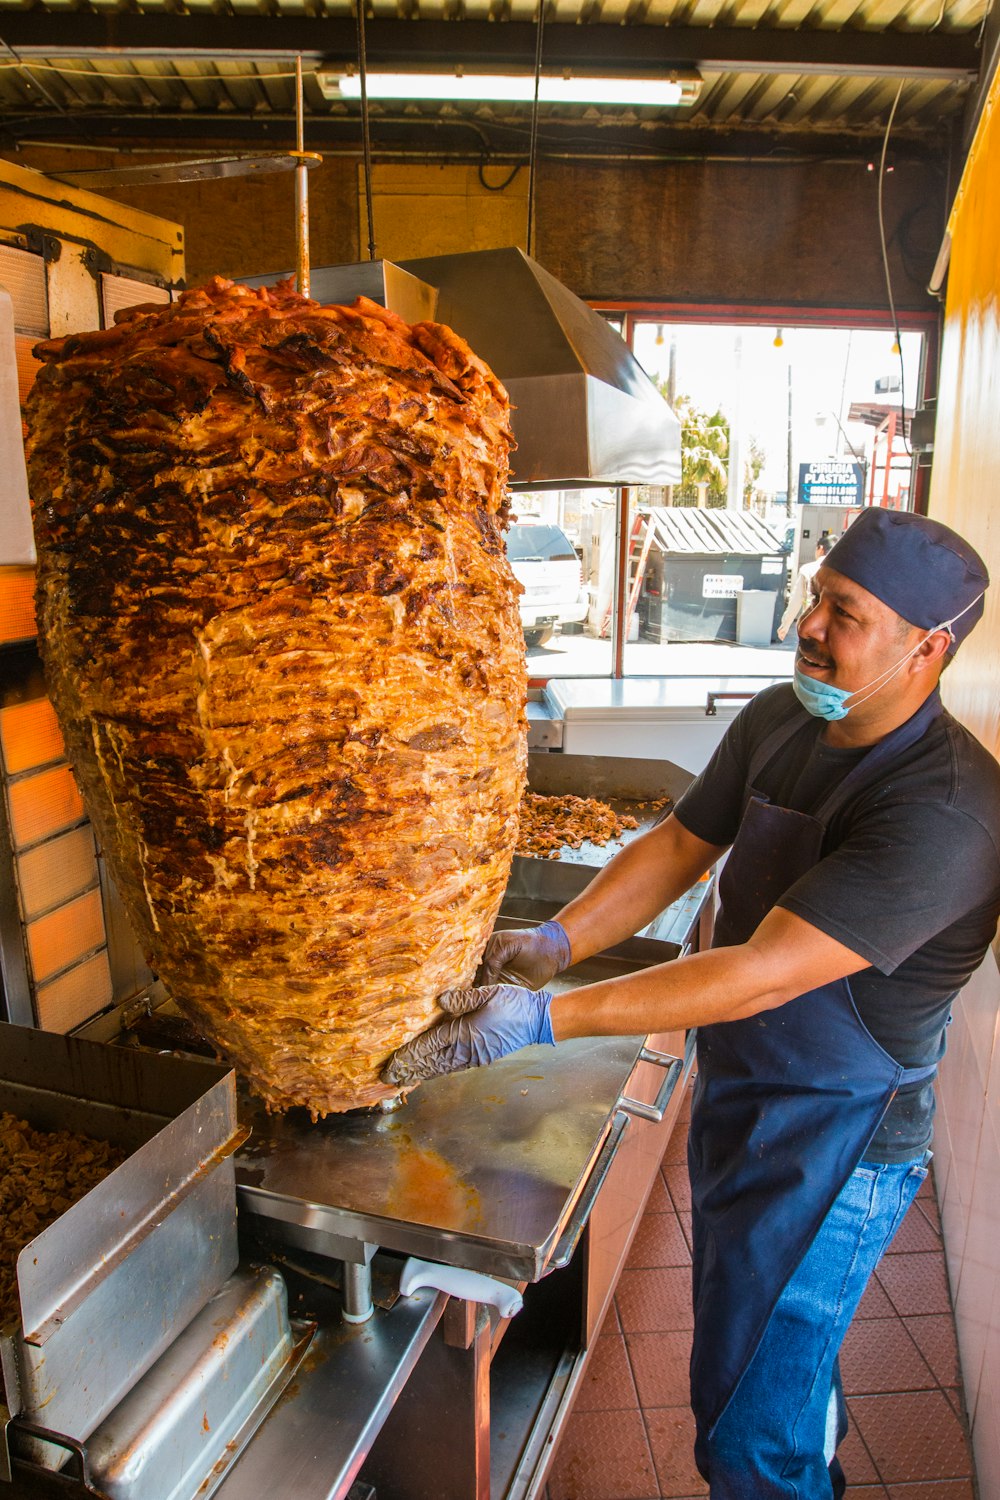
(813, 622)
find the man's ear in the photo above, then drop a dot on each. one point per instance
(932, 652)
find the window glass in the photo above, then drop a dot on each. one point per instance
(538, 544)
(566, 604)
(785, 432)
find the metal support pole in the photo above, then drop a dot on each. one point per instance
(790, 496)
(356, 1292)
(619, 597)
(734, 476)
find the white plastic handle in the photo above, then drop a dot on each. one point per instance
(470, 1285)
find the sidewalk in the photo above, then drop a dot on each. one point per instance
(582, 656)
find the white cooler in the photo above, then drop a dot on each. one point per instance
(681, 719)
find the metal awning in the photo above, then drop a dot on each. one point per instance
(687, 530)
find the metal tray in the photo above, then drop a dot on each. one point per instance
(480, 1169)
(627, 785)
(106, 1287)
(538, 888)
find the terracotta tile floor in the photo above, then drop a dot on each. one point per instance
(630, 1433)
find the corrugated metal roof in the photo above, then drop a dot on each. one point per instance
(687, 530)
(768, 66)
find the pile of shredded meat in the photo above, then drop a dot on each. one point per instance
(550, 824)
(282, 638)
(42, 1174)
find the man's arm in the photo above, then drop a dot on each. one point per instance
(796, 601)
(629, 891)
(634, 887)
(784, 958)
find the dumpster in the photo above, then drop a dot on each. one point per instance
(698, 564)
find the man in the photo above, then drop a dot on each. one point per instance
(861, 891)
(802, 593)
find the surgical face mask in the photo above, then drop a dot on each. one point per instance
(824, 701)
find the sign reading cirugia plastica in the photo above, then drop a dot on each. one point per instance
(831, 481)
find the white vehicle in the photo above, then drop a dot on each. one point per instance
(544, 562)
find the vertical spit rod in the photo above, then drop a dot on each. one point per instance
(301, 190)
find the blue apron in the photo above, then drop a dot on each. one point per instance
(786, 1101)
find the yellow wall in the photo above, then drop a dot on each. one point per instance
(32, 206)
(965, 491)
(442, 210)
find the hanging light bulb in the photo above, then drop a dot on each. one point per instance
(779, 338)
(659, 333)
(895, 345)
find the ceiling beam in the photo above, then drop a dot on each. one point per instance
(38, 34)
(451, 139)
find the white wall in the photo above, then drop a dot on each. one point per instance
(967, 1172)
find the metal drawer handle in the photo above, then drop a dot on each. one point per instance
(713, 698)
(658, 1108)
(568, 1240)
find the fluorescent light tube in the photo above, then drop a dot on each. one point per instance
(515, 88)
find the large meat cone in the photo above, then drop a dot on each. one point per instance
(282, 639)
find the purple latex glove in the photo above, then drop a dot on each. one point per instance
(530, 956)
(483, 1026)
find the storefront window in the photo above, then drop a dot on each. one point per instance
(561, 546)
(786, 431)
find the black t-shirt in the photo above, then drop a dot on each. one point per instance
(909, 876)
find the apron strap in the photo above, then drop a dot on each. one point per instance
(775, 741)
(873, 764)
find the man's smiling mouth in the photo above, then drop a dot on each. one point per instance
(813, 659)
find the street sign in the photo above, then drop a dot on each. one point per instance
(831, 481)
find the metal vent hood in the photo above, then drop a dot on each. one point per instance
(585, 412)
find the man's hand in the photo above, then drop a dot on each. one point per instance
(484, 1025)
(532, 956)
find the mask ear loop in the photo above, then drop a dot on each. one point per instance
(947, 624)
(876, 685)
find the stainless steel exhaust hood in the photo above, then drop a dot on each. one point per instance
(585, 412)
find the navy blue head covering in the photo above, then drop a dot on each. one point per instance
(921, 569)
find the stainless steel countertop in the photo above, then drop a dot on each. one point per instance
(480, 1169)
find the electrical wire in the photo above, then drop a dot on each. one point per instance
(982, 25)
(885, 265)
(497, 187)
(533, 140)
(366, 137)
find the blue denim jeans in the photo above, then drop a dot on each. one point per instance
(777, 1438)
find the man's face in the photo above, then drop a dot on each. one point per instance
(850, 638)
